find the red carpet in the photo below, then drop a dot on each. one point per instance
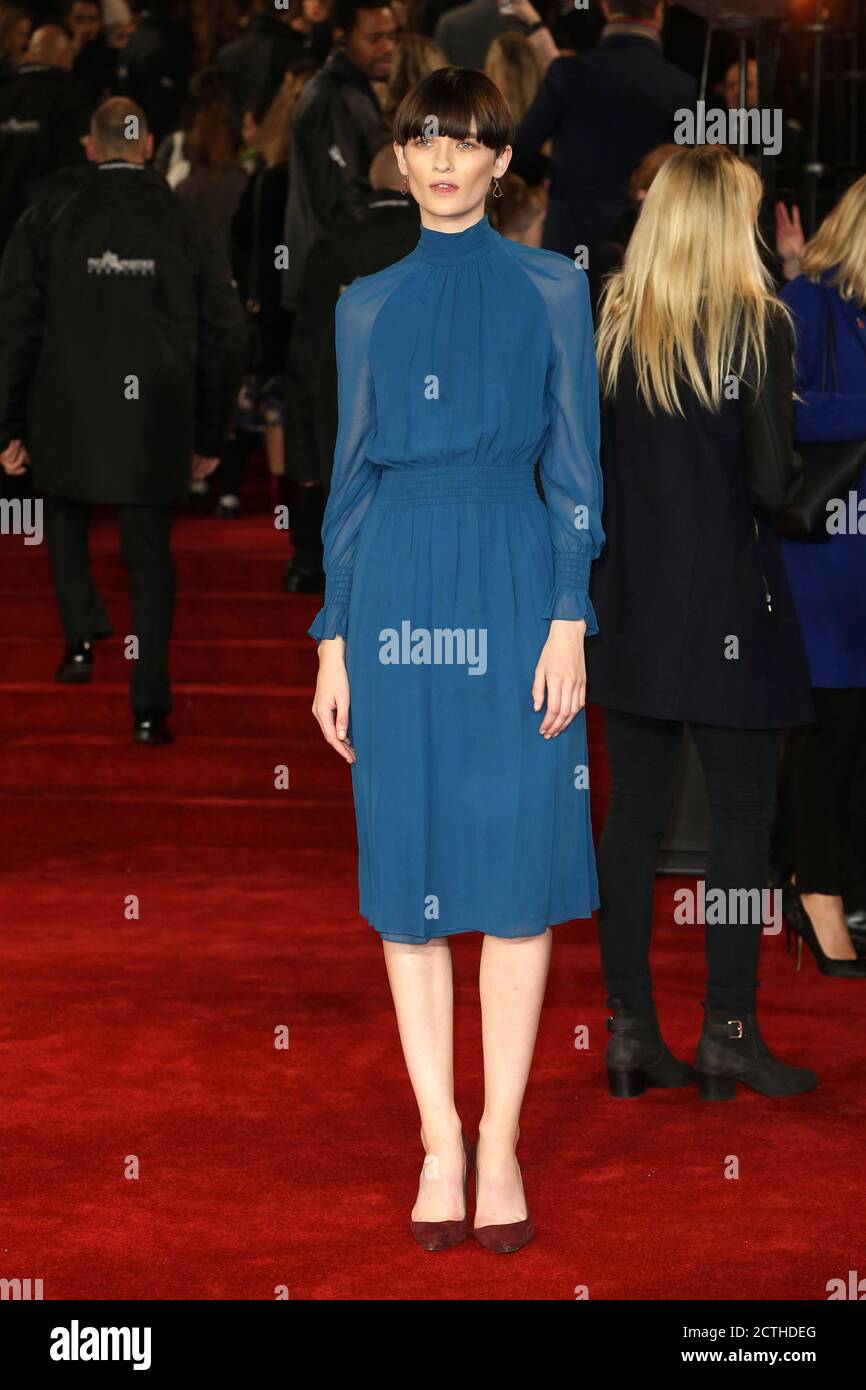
(259, 1166)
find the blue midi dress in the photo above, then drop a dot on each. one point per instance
(461, 367)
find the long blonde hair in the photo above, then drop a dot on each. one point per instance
(692, 300)
(511, 63)
(840, 244)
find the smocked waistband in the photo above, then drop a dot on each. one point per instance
(476, 482)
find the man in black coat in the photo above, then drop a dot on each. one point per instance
(119, 330)
(155, 66)
(44, 119)
(604, 110)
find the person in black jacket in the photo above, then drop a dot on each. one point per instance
(256, 62)
(603, 110)
(388, 232)
(44, 118)
(118, 317)
(95, 59)
(155, 67)
(337, 129)
(696, 619)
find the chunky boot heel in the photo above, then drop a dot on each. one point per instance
(712, 1087)
(732, 1050)
(625, 1085)
(636, 1056)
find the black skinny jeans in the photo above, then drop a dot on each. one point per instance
(823, 795)
(740, 771)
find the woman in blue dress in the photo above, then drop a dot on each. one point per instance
(454, 621)
(824, 782)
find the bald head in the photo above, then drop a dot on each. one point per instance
(50, 45)
(118, 130)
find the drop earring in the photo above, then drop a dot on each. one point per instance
(404, 187)
(497, 191)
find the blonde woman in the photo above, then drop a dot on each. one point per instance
(414, 57)
(696, 620)
(820, 796)
(512, 65)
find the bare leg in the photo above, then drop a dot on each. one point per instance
(511, 982)
(275, 449)
(827, 915)
(422, 989)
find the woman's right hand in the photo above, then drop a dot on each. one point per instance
(331, 702)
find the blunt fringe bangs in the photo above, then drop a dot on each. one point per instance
(449, 102)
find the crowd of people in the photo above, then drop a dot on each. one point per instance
(244, 155)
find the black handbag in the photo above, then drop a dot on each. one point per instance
(829, 470)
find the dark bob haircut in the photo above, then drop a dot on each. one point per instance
(449, 102)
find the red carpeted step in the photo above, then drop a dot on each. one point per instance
(239, 766)
(223, 615)
(206, 661)
(198, 709)
(127, 821)
(27, 571)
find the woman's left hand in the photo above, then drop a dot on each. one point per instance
(561, 670)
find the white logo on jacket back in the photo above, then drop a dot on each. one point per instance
(14, 126)
(110, 264)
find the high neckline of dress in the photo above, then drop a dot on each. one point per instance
(453, 248)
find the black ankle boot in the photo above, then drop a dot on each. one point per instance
(637, 1057)
(731, 1049)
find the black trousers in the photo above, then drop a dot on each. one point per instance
(740, 772)
(145, 545)
(823, 796)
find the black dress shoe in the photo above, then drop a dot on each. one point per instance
(637, 1055)
(76, 668)
(150, 727)
(297, 581)
(228, 507)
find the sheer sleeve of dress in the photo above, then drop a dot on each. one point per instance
(355, 479)
(570, 469)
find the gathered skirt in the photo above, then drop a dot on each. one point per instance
(468, 819)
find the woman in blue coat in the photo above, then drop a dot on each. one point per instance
(823, 795)
(454, 619)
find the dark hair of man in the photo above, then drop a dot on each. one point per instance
(344, 13)
(456, 99)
